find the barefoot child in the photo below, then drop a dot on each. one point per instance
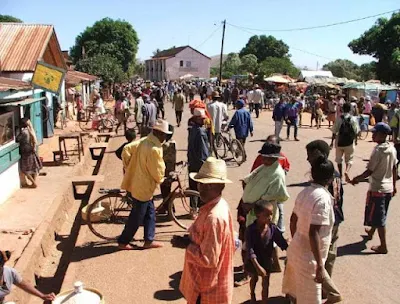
(260, 237)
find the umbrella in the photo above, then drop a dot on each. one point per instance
(278, 79)
(187, 76)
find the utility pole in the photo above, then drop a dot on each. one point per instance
(222, 52)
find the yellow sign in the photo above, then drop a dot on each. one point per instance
(48, 77)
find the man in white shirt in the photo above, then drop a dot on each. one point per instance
(249, 97)
(257, 99)
(218, 112)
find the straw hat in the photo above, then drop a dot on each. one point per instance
(213, 171)
(216, 94)
(162, 126)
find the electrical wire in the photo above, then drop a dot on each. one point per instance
(317, 26)
(209, 37)
(291, 47)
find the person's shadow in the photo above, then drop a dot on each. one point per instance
(272, 300)
(170, 294)
(354, 248)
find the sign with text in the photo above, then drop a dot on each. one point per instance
(48, 77)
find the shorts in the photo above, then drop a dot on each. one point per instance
(348, 153)
(376, 209)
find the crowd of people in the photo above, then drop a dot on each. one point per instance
(314, 222)
(208, 275)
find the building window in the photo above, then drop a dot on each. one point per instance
(181, 63)
(6, 128)
(188, 64)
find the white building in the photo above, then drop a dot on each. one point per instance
(176, 62)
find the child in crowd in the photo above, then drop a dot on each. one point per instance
(260, 239)
(130, 136)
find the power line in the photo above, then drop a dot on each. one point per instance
(291, 47)
(209, 37)
(317, 26)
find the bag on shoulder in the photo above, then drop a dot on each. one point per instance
(347, 133)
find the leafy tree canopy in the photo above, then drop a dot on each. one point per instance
(382, 42)
(249, 63)
(105, 66)
(265, 46)
(113, 38)
(231, 65)
(7, 18)
(272, 65)
(343, 68)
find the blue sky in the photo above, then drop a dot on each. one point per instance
(162, 24)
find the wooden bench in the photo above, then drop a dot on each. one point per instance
(105, 135)
(85, 180)
(96, 147)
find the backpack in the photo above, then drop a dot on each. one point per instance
(347, 133)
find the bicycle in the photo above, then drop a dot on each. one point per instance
(363, 134)
(107, 215)
(105, 122)
(225, 142)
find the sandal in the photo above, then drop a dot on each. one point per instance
(379, 250)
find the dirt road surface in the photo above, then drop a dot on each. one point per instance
(153, 276)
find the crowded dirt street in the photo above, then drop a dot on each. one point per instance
(153, 276)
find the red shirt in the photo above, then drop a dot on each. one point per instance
(283, 161)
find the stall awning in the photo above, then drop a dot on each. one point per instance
(24, 102)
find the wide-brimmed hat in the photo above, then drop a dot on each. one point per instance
(216, 94)
(353, 98)
(162, 126)
(213, 171)
(270, 150)
(367, 98)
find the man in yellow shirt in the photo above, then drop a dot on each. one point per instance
(144, 170)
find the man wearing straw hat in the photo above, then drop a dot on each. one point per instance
(208, 270)
(144, 171)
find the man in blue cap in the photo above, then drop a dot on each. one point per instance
(241, 122)
(382, 173)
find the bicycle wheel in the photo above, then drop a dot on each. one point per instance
(238, 152)
(363, 134)
(220, 146)
(107, 215)
(183, 208)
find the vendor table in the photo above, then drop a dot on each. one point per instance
(77, 137)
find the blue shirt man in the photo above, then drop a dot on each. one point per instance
(279, 111)
(241, 122)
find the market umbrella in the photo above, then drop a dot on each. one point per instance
(186, 76)
(278, 79)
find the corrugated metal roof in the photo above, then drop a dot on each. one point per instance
(7, 84)
(172, 52)
(22, 45)
(75, 77)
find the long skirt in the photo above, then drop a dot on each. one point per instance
(30, 163)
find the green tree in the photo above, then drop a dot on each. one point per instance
(382, 42)
(231, 65)
(343, 68)
(249, 63)
(367, 71)
(115, 38)
(265, 46)
(8, 18)
(104, 66)
(272, 65)
(214, 71)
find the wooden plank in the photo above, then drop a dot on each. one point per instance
(88, 178)
(98, 145)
